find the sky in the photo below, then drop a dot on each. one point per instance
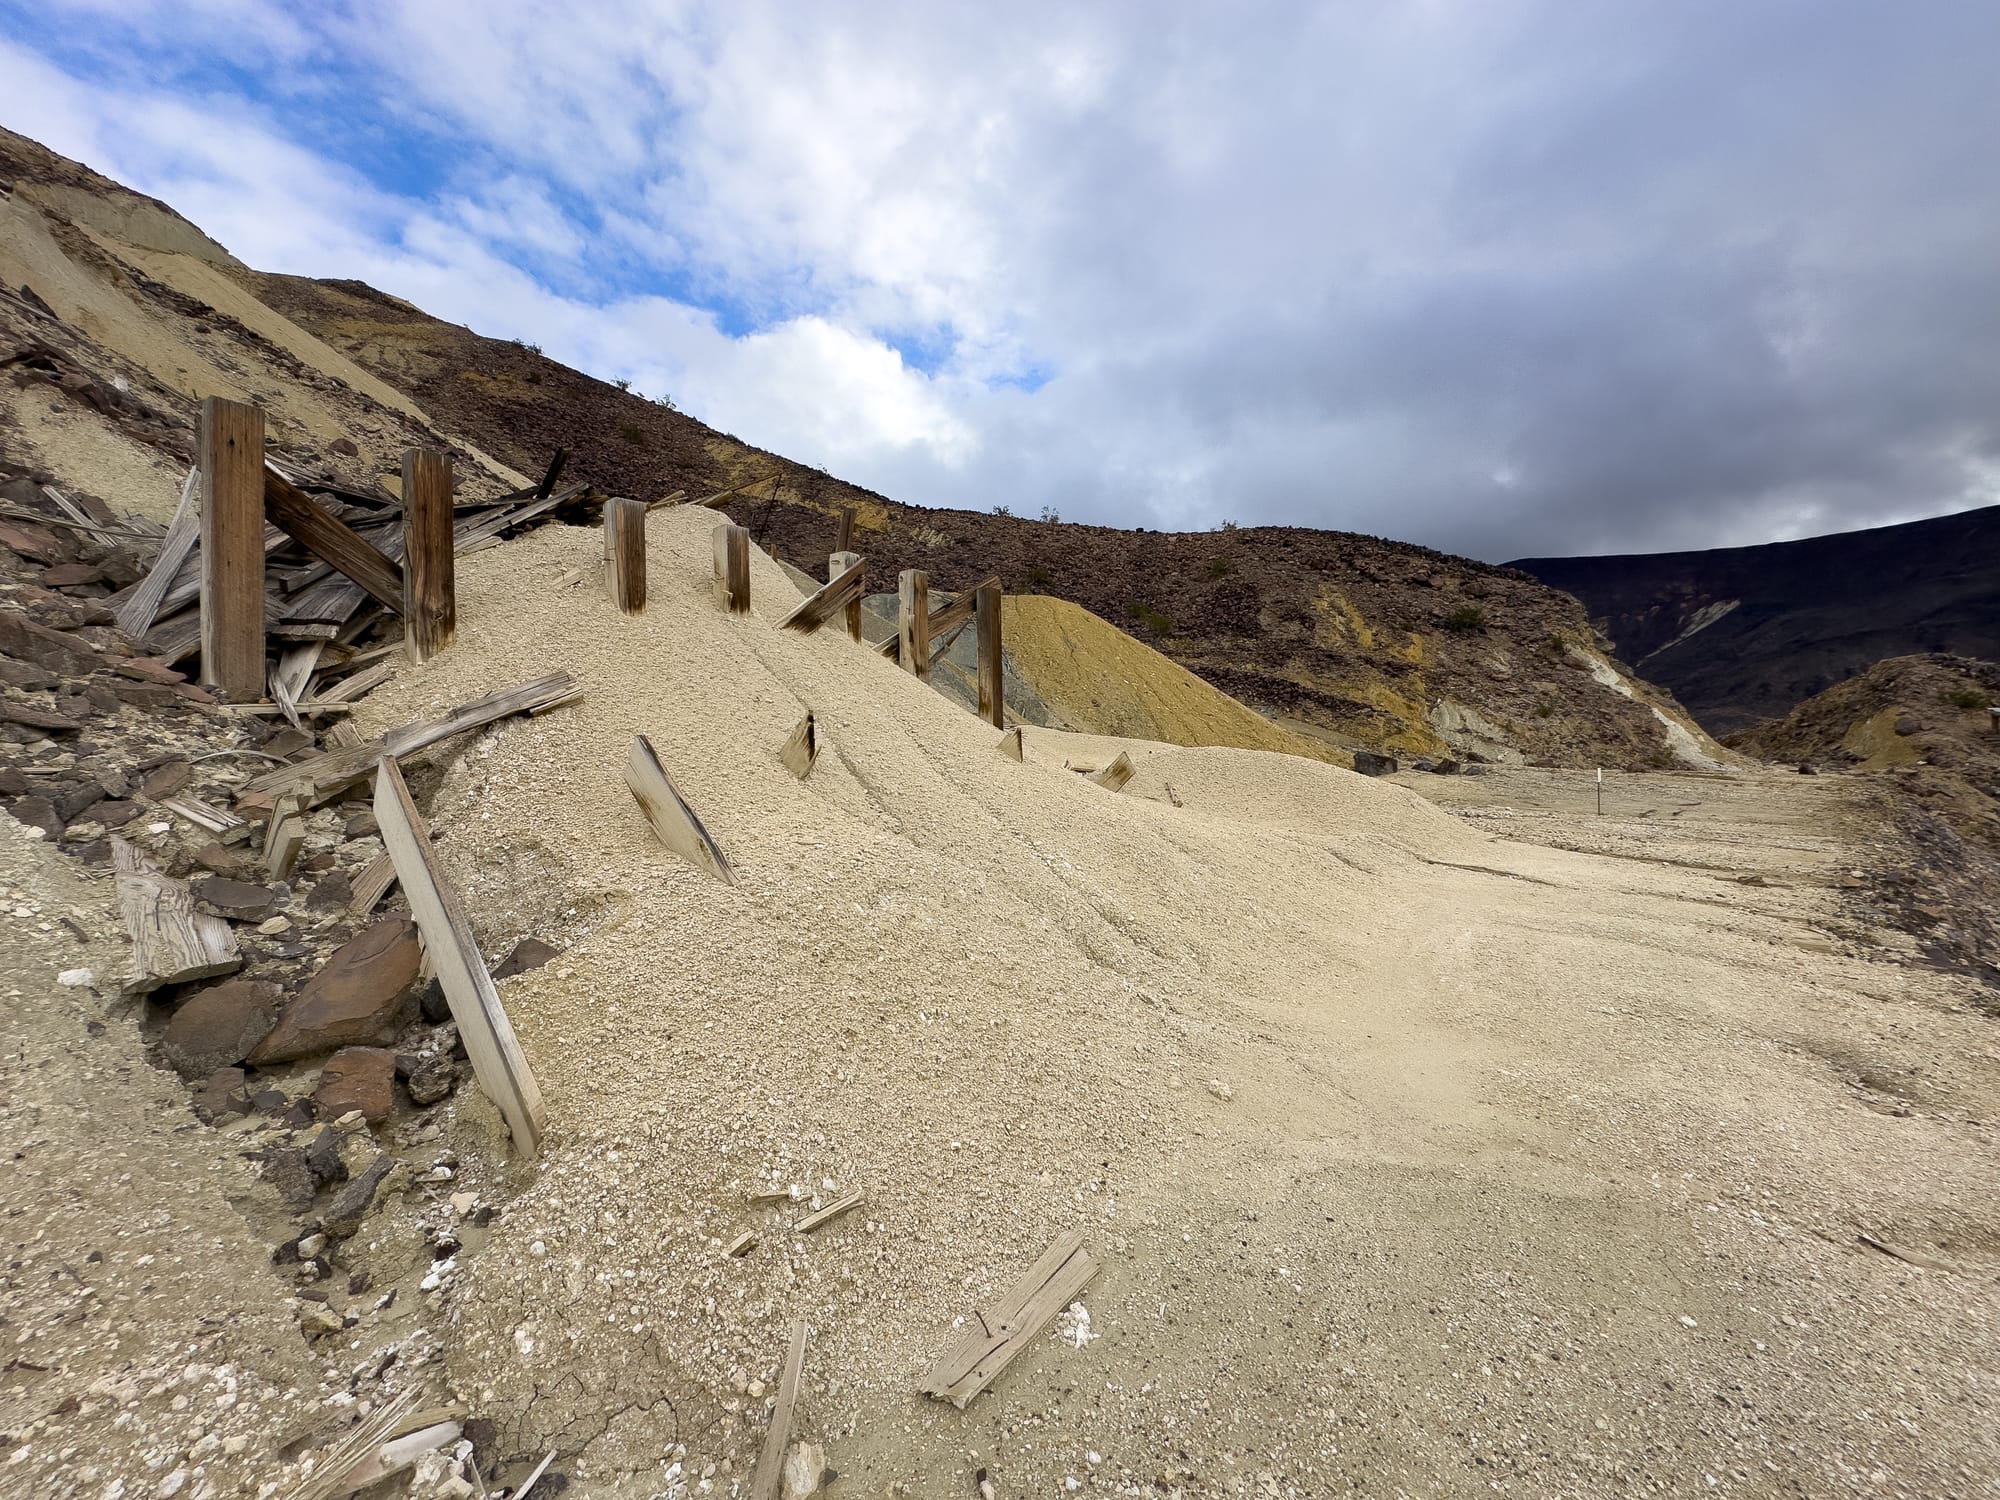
(1504, 277)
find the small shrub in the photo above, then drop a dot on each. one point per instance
(1154, 620)
(633, 434)
(623, 385)
(1221, 567)
(1965, 698)
(1227, 526)
(666, 401)
(1003, 510)
(1544, 709)
(1049, 514)
(1037, 577)
(533, 377)
(1464, 619)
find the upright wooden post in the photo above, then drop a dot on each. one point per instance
(430, 596)
(843, 540)
(986, 622)
(232, 549)
(625, 553)
(837, 564)
(913, 621)
(732, 568)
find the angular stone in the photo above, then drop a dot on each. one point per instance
(13, 783)
(330, 892)
(148, 669)
(71, 575)
(39, 812)
(238, 900)
(351, 1204)
(360, 1078)
(359, 998)
(361, 825)
(74, 801)
(344, 447)
(221, 1095)
(286, 1170)
(115, 814)
(166, 779)
(1370, 764)
(19, 674)
(432, 1078)
(218, 1026)
(529, 953)
(24, 640)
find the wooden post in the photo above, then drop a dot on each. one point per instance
(913, 622)
(986, 620)
(430, 599)
(843, 540)
(232, 549)
(625, 553)
(837, 564)
(732, 568)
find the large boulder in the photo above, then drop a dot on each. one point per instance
(361, 997)
(217, 1027)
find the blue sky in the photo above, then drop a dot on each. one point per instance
(1502, 276)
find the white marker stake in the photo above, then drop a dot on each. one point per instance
(1600, 791)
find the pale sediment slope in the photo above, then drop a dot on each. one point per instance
(1416, 1159)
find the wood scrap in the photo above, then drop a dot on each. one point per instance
(1114, 776)
(959, 611)
(172, 943)
(296, 514)
(800, 751)
(372, 884)
(284, 838)
(672, 820)
(497, 1061)
(997, 1336)
(136, 615)
(832, 598)
(1010, 744)
(742, 1245)
(832, 1211)
(365, 681)
(771, 1462)
(215, 820)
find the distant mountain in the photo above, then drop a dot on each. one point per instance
(1742, 634)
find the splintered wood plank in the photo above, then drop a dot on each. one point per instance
(503, 1073)
(1114, 776)
(771, 1462)
(800, 751)
(172, 943)
(356, 684)
(136, 615)
(997, 1336)
(552, 474)
(232, 549)
(323, 775)
(1010, 743)
(837, 594)
(843, 536)
(372, 884)
(837, 564)
(992, 687)
(332, 541)
(913, 622)
(732, 568)
(430, 580)
(672, 819)
(956, 613)
(625, 553)
(829, 1213)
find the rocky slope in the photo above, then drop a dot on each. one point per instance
(1741, 634)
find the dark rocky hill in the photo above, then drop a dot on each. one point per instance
(1741, 634)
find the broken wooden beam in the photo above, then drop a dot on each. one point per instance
(771, 1461)
(172, 943)
(1114, 776)
(1010, 744)
(232, 549)
(332, 541)
(838, 593)
(732, 568)
(667, 811)
(837, 564)
(799, 752)
(960, 610)
(430, 578)
(995, 1337)
(136, 615)
(371, 885)
(986, 611)
(625, 553)
(497, 1061)
(913, 622)
(554, 472)
(843, 535)
(828, 1214)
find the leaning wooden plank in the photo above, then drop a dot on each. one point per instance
(771, 1462)
(172, 943)
(672, 819)
(799, 752)
(372, 884)
(1115, 775)
(835, 596)
(722, 497)
(959, 610)
(322, 776)
(136, 615)
(998, 1335)
(294, 513)
(483, 1026)
(365, 681)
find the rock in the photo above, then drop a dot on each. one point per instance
(357, 1078)
(323, 1155)
(38, 812)
(166, 779)
(272, 926)
(805, 1470)
(316, 1319)
(1909, 724)
(330, 893)
(433, 1003)
(74, 801)
(222, 860)
(221, 1096)
(1446, 767)
(219, 1026)
(82, 833)
(344, 447)
(351, 1204)
(77, 979)
(26, 640)
(359, 998)
(1370, 764)
(529, 953)
(430, 1079)
(286, 1170)
(71, 575)
(13, 781)
(361, 826)
(36, 543)
(238, 900)
(115, 814)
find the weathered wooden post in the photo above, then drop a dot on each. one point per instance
(837, 564)
(430, 597)
(986, 623)
(913, 622)
(625, 553)
(732, 568)
(843, 540)
(232, 548)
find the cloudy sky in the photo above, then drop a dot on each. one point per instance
(1507, 277)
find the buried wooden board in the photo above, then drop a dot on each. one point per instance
(771, 1462)
(1114, 776)
(503, 1073)
(800, 751)
(833, 597)
(996, 1336)
(670, 816)
(172, 943)
(1010, 743)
